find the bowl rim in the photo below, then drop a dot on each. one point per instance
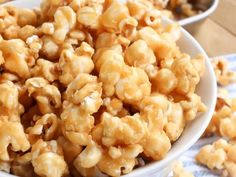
(153, 167)
(199, 17)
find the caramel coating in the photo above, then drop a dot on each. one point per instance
(46, 69)
(16, 56)
(12, 134)
(179, 171)
(48, 96)
(73, 63)
(46, 154)
(220, 155)
(223, 74)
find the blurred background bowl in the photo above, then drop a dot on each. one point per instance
(192, 24)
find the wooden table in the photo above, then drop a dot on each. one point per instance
(217, 34)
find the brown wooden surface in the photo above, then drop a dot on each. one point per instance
(217, 34)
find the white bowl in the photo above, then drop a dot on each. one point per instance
(202, 16)
(193, 23)
(207, 89)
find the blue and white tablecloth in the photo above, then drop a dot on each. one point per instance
(188, 158)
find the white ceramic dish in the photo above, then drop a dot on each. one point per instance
(193, 23)
(201, 16)
(207, 89)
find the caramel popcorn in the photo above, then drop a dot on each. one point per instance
(212, 156)
(156, 121)
(220, 155)
(5, 166)
(107, 53)
(9, 98)
(113, 16)
(161, 46)
(50, 49)
(80, 171)
(8, 18)
(175, 122)
(6, 76)
(113, 105)
(153, 18)
(64, 20)
(89, 16)
(85, 91)
(26, 17)
(115, 68)
(120, 165)
(140, 55)
(45, 127)
(223, 74)
(11, 32)
(185, 73)
(229, 169)
(134, 86)
(106, 39)
(16, 56)
(78, 35)
(92, 88)
(46, 69)
(72, 63)
(126, 130)
(12, 134)
(49, 8)
(138, 8)
(167, 79)
(76, 4)
(35, 45)
(27, 31)
(89, 157)
(127, 28)
(2, 61)
(76, 125)
(22, 166)
(227, 127)
(223, 120)
(161, 147)
(121, 76)
(47, 96)
(47, 28)
(192, 106)
(70, 150)
(179, 171)
(45, 154)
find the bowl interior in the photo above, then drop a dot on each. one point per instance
(206, 89)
